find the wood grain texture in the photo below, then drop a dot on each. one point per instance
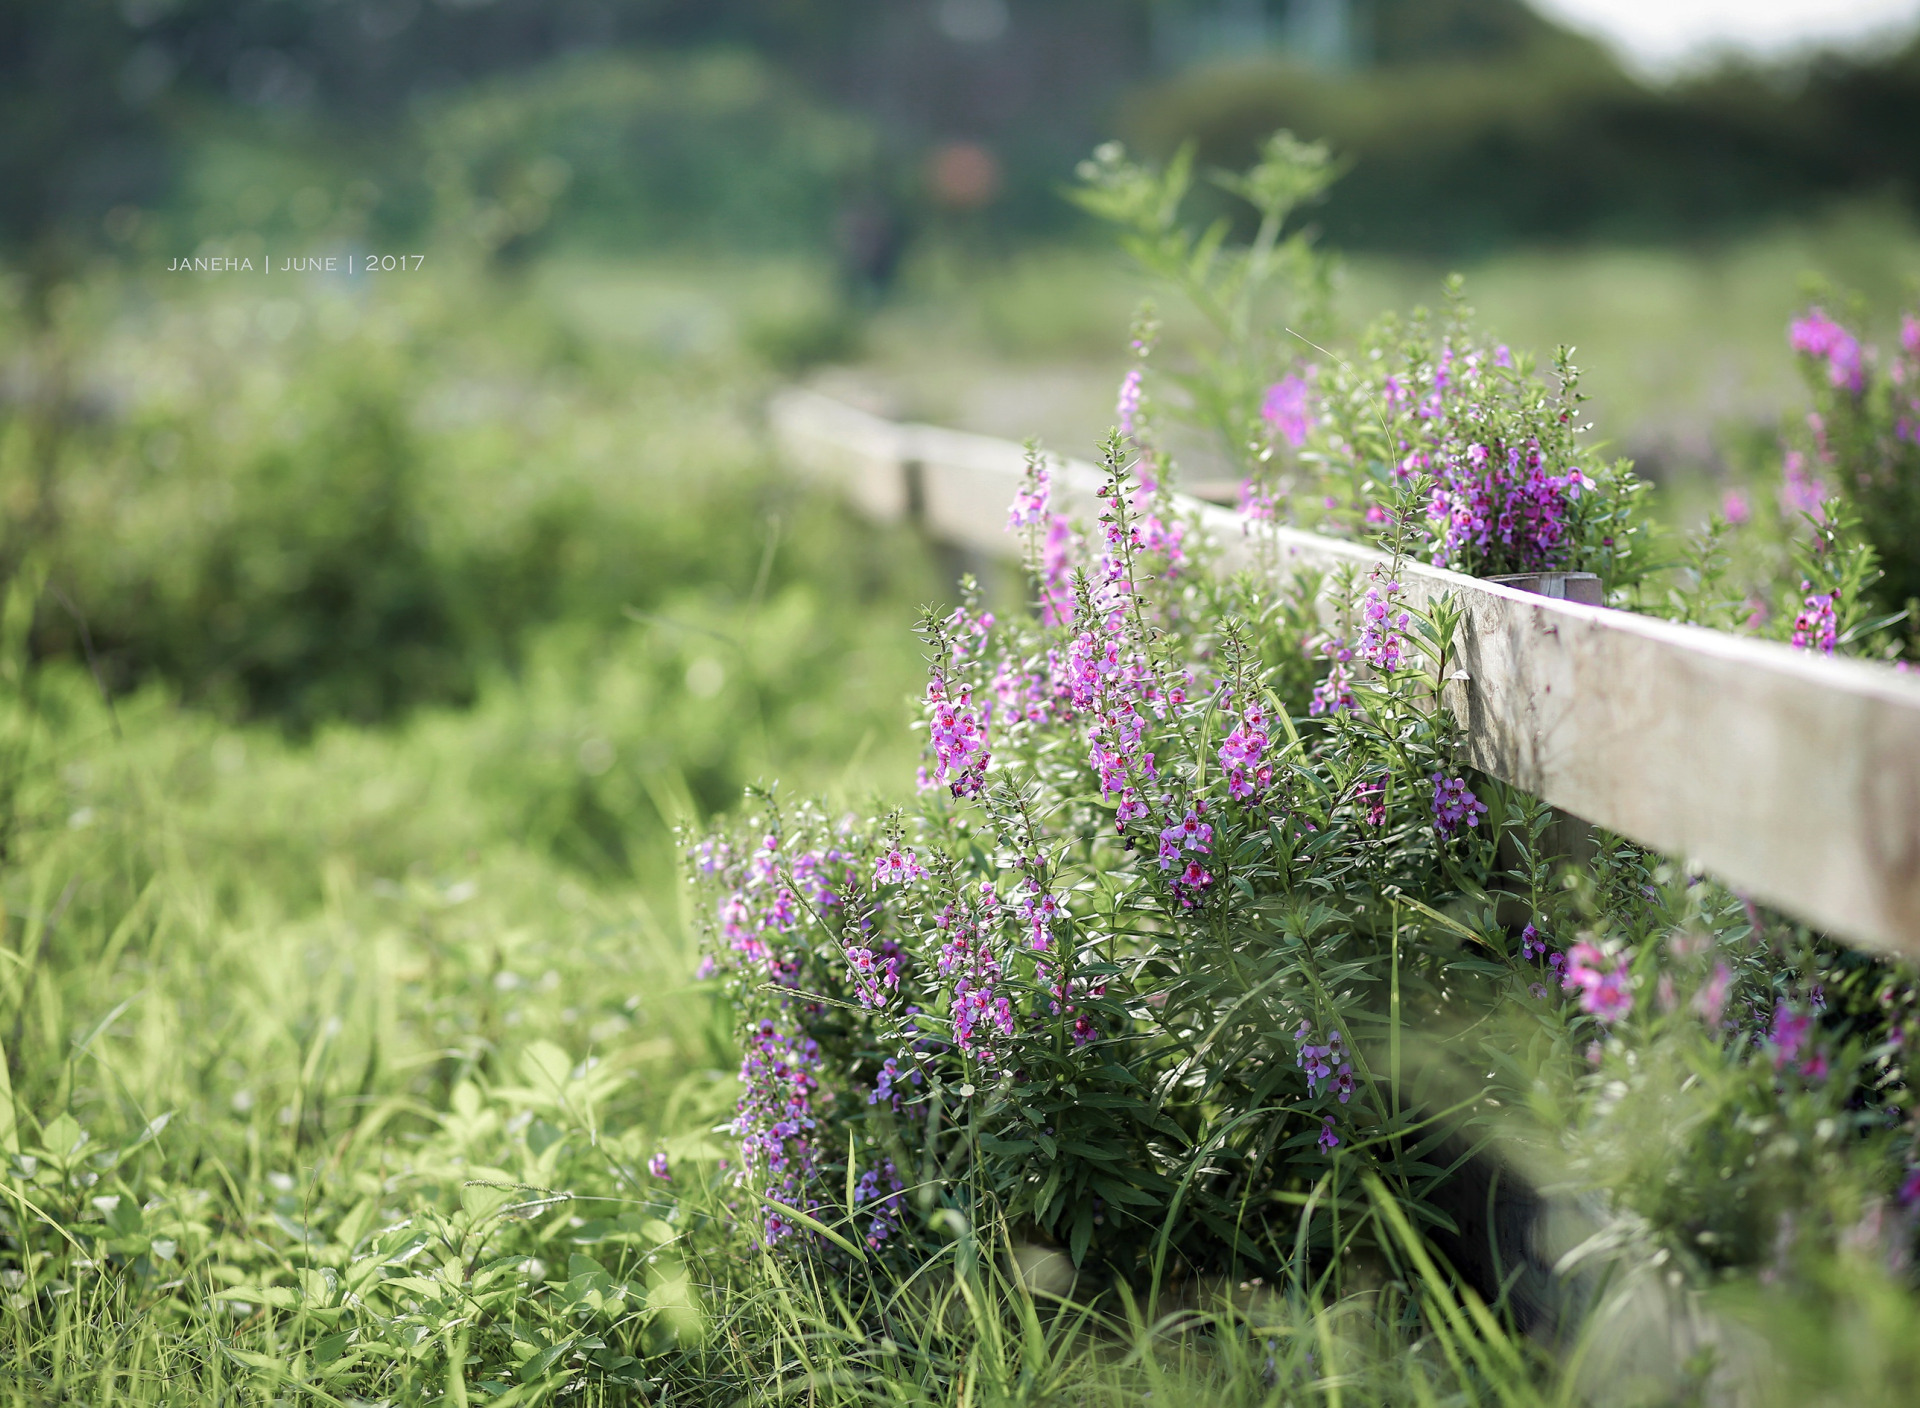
(1792, 778)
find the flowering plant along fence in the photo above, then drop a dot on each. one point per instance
(1792, 777)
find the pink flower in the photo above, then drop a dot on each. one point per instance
(1818, 623)
(1790, 1034)
(1455, 808)
(1799, 492)
(1286, 409)
(1030, 503)
(1711, 1001)
(898, 867)
(1605, 992)
(1611, 998)
(1128, 407)
(1818, 336)
(1734, 507)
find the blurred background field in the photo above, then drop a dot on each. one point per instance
(366, 636)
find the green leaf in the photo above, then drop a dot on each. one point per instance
(1082, 1234)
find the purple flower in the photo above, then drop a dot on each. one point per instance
(957, 730)
(1455, 808)
(1611, 998)
(657, 1166)
(1192, 883)
(879, 1188)
(1129, 404)
(1819, 337)
(1258, 503)
(1243, 754)
(1495, 506)
(1030, 503)
(774, 1118)
(1380, 643)
(898, 867)
(1286, 409)
(1373, 797)
(1711, 1001)
(1324, 1062)
(1818, 623)
(1606, 991)
(1790, 1034)
(1800, 492)
(1190, 833)
(1327, 1141)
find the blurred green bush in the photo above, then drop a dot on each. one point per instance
(335, 508)
(1553, 142)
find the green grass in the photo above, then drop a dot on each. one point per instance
(258, 962)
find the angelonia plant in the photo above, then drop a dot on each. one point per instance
(1823, 551)
(1129, 968)
(1478, 462)
(1201, 939)
(1168, 950)
(1854, 464)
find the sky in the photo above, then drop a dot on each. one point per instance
(1664, 36)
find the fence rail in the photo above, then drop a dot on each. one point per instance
(1792, 778)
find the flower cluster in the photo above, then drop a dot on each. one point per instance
(1533, 946)
(1370, 800)
(875, 975)
(764, 907)
(1455, 808)
(1031, 501)
(1127, 410)
(774, 1119)
(1181, 846)
(879, 1188)
(1324, 1062)
(1287, 411)
(980, 1010)
(1243, 754)
(1031, 510)
(1818, 337)
(1258, 502)
(958, 729)
(1382, 643)
(1483, 461)
(1503, 503)
(1816, 627)
(1335, 693)
(1605, 988)
(887, 1082)
(1793, 1046)
(898, 867)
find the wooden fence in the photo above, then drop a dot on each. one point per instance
(1793, 778)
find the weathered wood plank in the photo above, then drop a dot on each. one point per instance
(1793, 778)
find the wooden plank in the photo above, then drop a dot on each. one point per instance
(1793, 778)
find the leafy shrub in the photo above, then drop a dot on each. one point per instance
(320, 520)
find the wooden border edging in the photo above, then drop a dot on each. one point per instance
(1791, 777)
